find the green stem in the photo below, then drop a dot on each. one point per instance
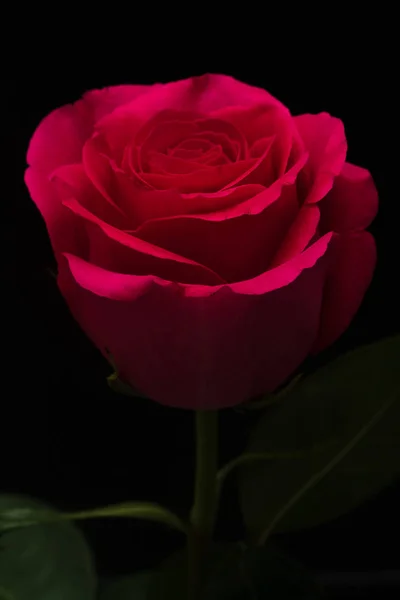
(204, 509)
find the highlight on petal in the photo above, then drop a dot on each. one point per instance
(352, 262)
(60, 136)
(213, 91)
(352, 203)
(325, 141)
(105, 100)
(122, 287)
(202, 94)
(113, 248)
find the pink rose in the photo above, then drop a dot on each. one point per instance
(205, 236)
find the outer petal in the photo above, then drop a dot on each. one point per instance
(202, 94)
(66, 233)
(352, 203)
(59, 137)
(104, 101)
(325, 140)
(71, 181)
(352, 263)
(203, 351)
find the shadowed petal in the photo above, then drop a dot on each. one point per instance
(352, 203)
(352, 261)
(198, 352)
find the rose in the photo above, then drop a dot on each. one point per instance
(205, 237)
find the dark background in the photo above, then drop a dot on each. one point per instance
(65, 437)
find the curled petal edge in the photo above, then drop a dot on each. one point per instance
(127, 288)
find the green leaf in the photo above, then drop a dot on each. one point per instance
(43, 562)
(24, 517)
(253, 457)
(133, 587)
(270, 399)
(354, 401)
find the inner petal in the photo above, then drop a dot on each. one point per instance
(201, 150)
(173, 145)
(192, 144)
(158, 162)
(230, 148)
(168, 134)
(228, 131)
(164, 131)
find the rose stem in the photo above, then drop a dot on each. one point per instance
(204, 509)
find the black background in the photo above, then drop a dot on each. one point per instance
(65, 437)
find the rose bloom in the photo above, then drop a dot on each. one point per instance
(204, 236)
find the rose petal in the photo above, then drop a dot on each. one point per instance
(152, 205)
(213, 156)
(230, 137)
(102, 102)
(170, 128)
(72, 181)
(59, 137)
(140, 204)
(299, 235)
(163, 136)
(352, 261)
(236, 249)
(249, 199)
(121, 287)
(65, 231)
(191, 149)
(202, 94)
(114, 185)
(213, 179)
(169, 165)
(260, 122)
(352, 203)
(200, 151)
(325, 141)
(197, 95)
(111, 248)
(225, 348)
